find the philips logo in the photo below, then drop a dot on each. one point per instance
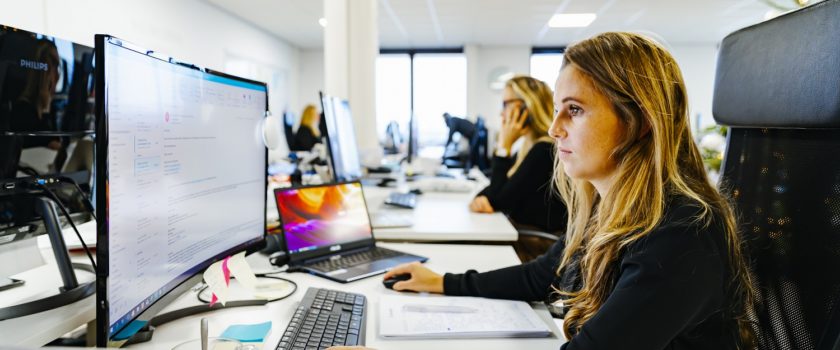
(335, 248)
(34, 65)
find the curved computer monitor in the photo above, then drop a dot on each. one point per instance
(181, 164)
(341, 139)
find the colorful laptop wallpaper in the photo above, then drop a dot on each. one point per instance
(321, 216)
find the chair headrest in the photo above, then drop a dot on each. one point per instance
(782, 73)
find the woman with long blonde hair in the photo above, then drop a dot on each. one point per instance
(651, 257)
(520, 184)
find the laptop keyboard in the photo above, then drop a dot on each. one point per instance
(326, 318)
(403, 200)
(351, 260)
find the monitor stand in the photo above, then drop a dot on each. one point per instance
(70, 291)
(145, 333)
(7, 283)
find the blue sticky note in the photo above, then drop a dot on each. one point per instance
(247, 332)
(130, 329)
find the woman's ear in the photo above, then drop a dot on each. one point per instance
(645, 129)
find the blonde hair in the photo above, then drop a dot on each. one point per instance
(540, 104)
(307, 119)
(656, 160)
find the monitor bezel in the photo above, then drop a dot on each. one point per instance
(319, 252)
(192, 276)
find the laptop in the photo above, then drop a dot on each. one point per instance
(327, 232)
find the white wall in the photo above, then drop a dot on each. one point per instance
(310, 78)
(698, 64)
(481, 62)
(191, 30)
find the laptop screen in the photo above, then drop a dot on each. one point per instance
(323, 216)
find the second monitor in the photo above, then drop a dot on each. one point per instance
(341, 139)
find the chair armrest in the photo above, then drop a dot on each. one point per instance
(538, 234)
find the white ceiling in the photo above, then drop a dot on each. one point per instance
(452, 23)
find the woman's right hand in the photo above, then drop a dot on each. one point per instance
(513, 127)
(481, 204)
(422, 279)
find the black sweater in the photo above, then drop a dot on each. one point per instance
(669, 293)
(305, 139)
(526, 197)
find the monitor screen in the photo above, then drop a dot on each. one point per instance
(182, 165)
(341, 137)
(46, 102)
(322, 216)
(46, 111)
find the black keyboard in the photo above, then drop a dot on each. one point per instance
(326, 318)
(403, 200)
(350, 260)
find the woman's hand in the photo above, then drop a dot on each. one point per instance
(422, 279)
(513, 127)
(481, 204)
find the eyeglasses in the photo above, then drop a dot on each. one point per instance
(506, 103)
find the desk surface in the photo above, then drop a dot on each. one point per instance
(443, 258)
(44, 327)
(440, 217)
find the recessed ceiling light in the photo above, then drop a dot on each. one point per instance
(322, 21)
(571, 20)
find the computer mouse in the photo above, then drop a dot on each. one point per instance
(389, 283)
(416, 191)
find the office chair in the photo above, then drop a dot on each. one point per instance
(393, 138)
(453, 156)
(478, 148)
(778, 89)
(288, 131)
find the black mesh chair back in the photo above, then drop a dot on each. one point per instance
(786, 186)
(778, 88)
(288, 130)
(478, 147)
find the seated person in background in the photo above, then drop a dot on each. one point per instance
(652, 258)
(520, 185)
(308, 133)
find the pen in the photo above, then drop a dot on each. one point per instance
(454, 309)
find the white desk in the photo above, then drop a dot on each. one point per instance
(440, 217)
(443, 258)
(42, 328)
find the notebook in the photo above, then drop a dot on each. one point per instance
(457, 317)
(327, 232)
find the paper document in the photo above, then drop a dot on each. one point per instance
(240, 269)
(457, 317)
(216, 280)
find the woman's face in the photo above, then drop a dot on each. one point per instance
(585, 127)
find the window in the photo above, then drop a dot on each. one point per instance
(545, 64)
(393, 92)
(425, 83)
(440, 85)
